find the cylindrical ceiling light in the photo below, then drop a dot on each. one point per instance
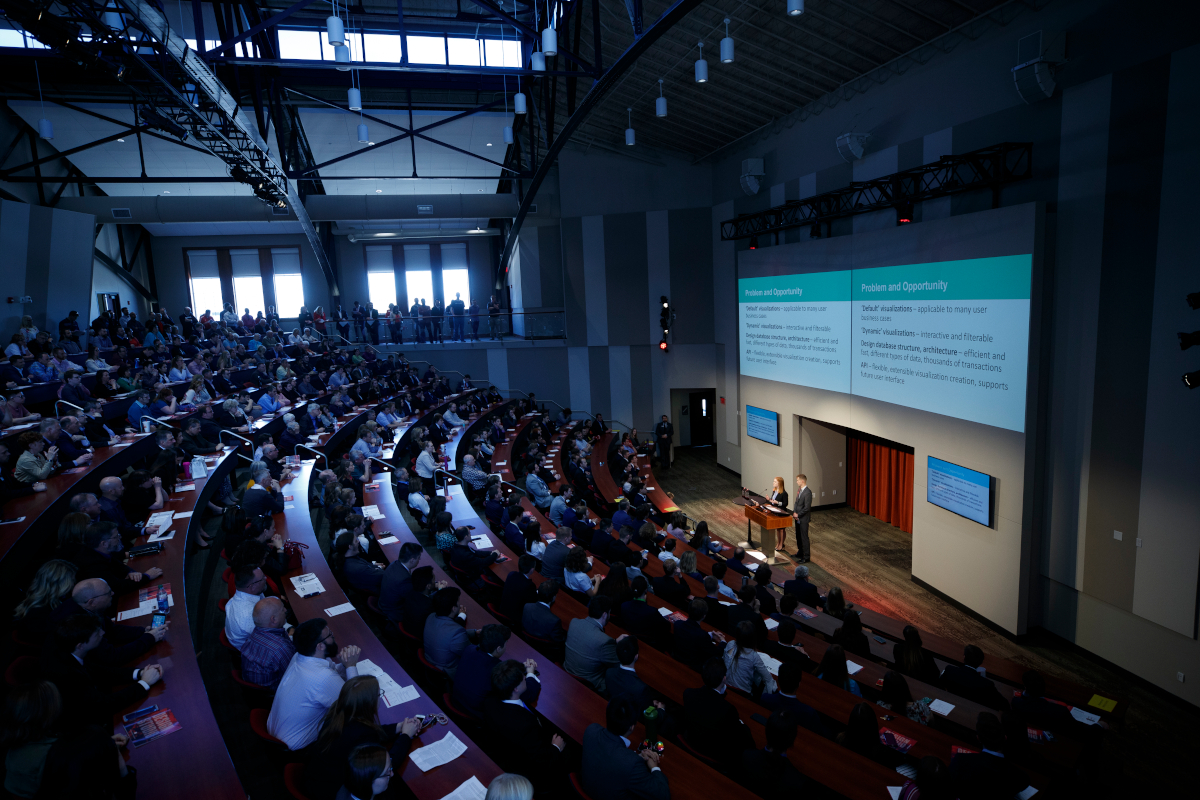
(701, 66)
(341, 54)
(363, 137)
(537, 61)
(45, 127)
(508, 134)
(727, 46)
(629, 136)
(660, 102)
(354, 99)
(550, 41)
(519, 103)
(336, 30)
(795, 8)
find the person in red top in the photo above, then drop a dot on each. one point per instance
(206, 319)
(248, 320)
(319, 320)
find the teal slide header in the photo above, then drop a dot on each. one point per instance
(998, 278)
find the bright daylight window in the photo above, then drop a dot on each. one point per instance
(381, 289)
(248, 293)
(502, 52)
(206, 293)
(420, 285)
(427, 49)
(454, 281)
(304, 45)
(289, 294)
(463, 52)
(382, 47)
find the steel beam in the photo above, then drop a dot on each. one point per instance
(260, 27)
(603, 85)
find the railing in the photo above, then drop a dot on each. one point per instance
(448, 474)
(60, 402)
(388, 468)
(315, 452)
(512, 324)
(221, 434)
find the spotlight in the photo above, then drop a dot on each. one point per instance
(904, 213)
(1190, 379)
(662, 345)
(1187, 340)
(814, 231)
(753, 242)
(1193, 300)
(663, 299)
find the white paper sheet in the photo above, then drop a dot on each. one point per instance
(771, 624)
(666, 612)
(1086, 717)
(388, 540)
(481, 541)
(852, 668)
(342, 609)
(185, 487)
(1026, 793)
(182, 514)
(145, 607)
(472, 789)
(443, 751)
(162, 536)
(941, 707)
(772, 664)
(894, 791)
(307, 584)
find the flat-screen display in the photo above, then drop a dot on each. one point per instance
(961, 491)
(762, 424)
(950, 337)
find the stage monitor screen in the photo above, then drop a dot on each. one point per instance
(762, 424)
(961, 491)
(949, 337)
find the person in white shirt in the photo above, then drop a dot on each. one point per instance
(452, 417)
(239, 611)
(668, 551)
(425, 468)
(310, 685)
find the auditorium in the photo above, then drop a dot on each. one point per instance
(599, 399)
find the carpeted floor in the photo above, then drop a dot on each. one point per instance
(872, 562)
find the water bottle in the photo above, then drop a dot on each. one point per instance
(164, 605)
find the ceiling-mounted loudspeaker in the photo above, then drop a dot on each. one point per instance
(1038, 54)
(752, 170)
(850, 145)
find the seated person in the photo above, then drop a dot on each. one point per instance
(970, 680)
(310, 685)
(469, 562)
(690, 643)
(539, 620)
(643, 620)
(711, 723)
(473, 681)
(523, 743)
(100, 558)
(623, 681)
(769, 773)
(268, 649)
(987, 774)
(784, 699)
(352, 562)
(589, 650)
(445, 637)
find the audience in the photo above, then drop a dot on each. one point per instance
(249, 583)
(268, 649)
(538, 620)
(768, 772)
(710, 722)
(969, 680)
(613, 771)
(523, 745)
(445, 636)
(100, 558)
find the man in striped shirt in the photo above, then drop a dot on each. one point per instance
(268, 649)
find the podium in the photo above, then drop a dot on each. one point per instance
(768, 523)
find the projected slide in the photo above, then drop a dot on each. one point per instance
(950, 337)
(963, 491)
(762, 424)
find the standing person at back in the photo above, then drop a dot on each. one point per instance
(801, 512)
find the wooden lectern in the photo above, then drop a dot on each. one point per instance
(768, 523)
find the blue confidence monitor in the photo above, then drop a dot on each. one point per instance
(961, 491)
(762, 424)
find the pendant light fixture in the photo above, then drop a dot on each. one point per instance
(629, 136)
(354, 98)
(537, 59)
(701, 65)
(795, 8)
(334, 28)
(508, 131)
(363, 137)
(660, 102)
(727, 46)
(519, 102)
(45, 126)
(549, 35)
(341, 54)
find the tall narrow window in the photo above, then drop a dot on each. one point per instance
(381, 276)
(206, 282)
(289, 284)
(418, 273)
(247, 282)
(455, 280)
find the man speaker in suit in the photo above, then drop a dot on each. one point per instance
(801, 512)
(610, 769)
(664, 433)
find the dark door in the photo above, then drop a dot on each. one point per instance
(110, 302)
(701, 416)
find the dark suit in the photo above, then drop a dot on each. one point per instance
(86, 695)
(540, 621)
(969, 684)
(718, 615)
(692, 645)
(805, 714)
(745, 613)
(664, 445)
(643, 621)
(473, 681)
(713, 727)
(802, 510)
(111, 511)
(612, 771)
(771, 775)
(519, 591)
(804, 591)
(672, 591)
(521, 744)
(471, 563)
(620, 682)
(553, 560)
(983, 776)
(396, 588)
(416, 611)
(114, 572)
(256, 502)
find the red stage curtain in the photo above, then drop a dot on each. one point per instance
(881, 482)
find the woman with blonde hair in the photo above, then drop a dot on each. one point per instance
(509, 786)
(51, 585)
(353, 721)
(778, 499)
(687, 565)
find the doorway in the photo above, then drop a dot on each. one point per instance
(700, 418)
(108, 301)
